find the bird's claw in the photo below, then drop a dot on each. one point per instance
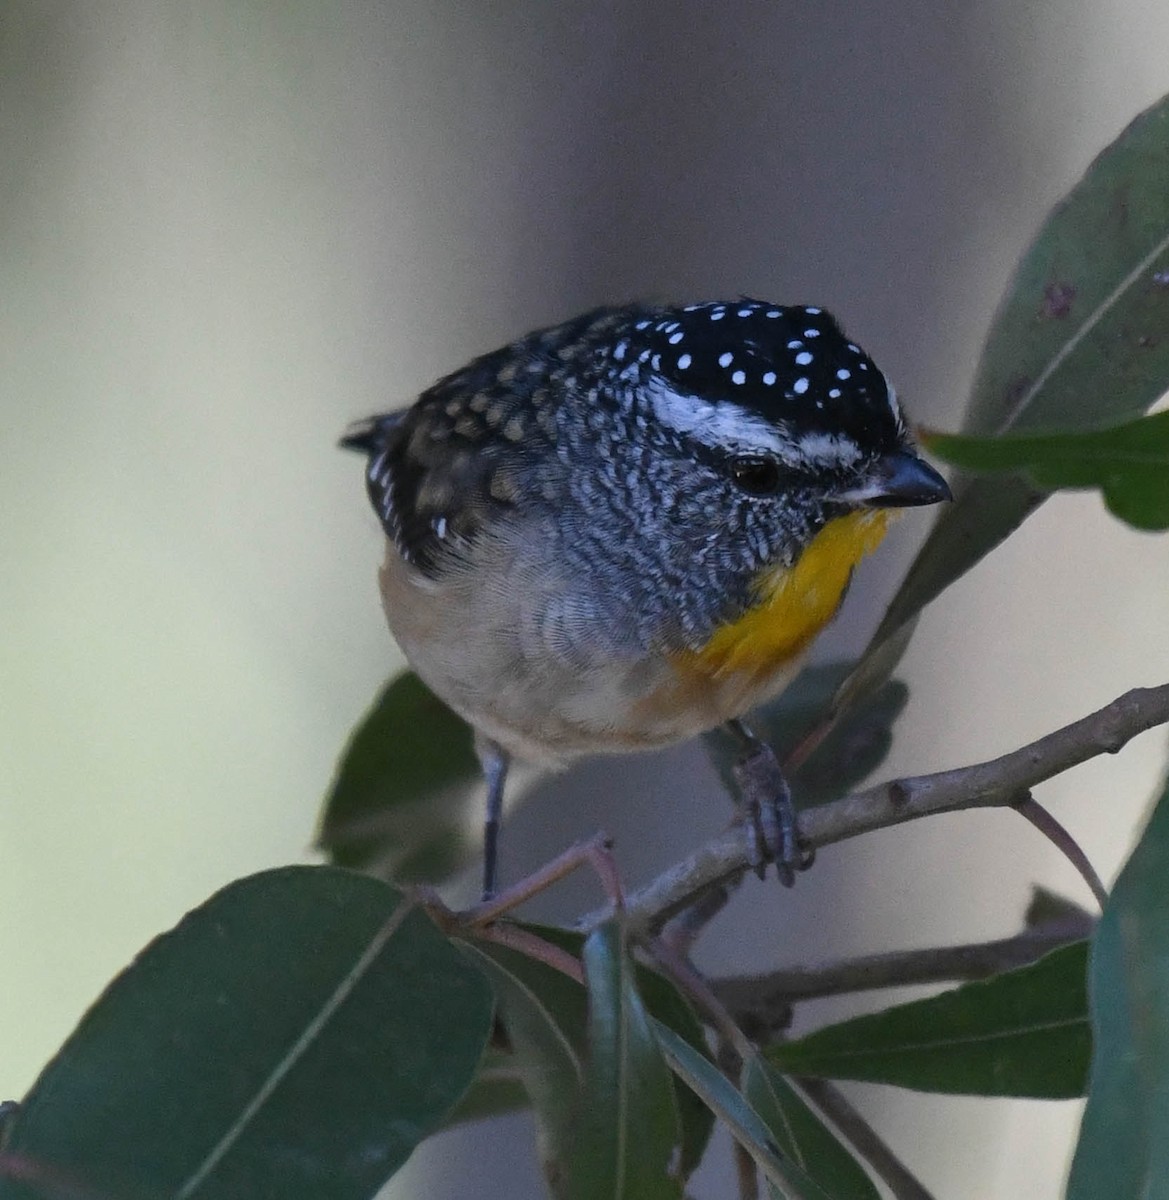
(770, 816)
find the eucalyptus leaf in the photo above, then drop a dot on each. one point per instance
(787, 1179)
(628, 1134)
(1023, 1032)
(664, 1003)
(803, 1136)
(1123, 1149)
(1129, 463)
(496, 1090)
(543, 1014)
(1079, 342)
(295, 1036)
(406, 789)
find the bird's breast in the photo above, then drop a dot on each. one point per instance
(792, 605)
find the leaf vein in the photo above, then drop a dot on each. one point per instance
(943, 1043)
(297, 1051)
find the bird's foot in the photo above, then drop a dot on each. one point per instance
(770, 819)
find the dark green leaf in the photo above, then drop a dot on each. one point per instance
(746, 1126)
(497, 1089)
(802, 1136)
(405, 791)
(1080, 341)
(1123, 1150)
(628, 1135)
(296, 1036)
(666, 1004)
(1022, 1033)
(852, 751)
(1128, 463)
(543, 1015)
(662, 1001)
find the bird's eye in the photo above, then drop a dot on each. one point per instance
(756, 476)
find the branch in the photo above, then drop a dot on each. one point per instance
(983, 785)
(762, 1002)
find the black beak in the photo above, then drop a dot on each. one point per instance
(899, 480)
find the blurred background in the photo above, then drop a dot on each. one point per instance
(226, 229)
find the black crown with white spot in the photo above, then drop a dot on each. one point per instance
(789, 364)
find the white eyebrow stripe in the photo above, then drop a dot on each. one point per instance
(829, 449)
(731, 427)
(718, 423)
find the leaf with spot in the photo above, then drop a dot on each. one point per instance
(1080, 341)
(1020, 1033)
(1129, 463)
(295, 1036)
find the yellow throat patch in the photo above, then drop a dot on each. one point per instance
(794, 603)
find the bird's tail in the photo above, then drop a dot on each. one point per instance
(370, 434)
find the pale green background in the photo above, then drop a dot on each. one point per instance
(225, 229)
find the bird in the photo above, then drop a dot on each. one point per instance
(624, 530)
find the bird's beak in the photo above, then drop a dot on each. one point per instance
(898, 480)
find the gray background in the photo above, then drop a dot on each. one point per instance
(226, 229)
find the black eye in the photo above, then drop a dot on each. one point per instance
(756, 476)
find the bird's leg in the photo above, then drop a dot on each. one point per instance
(770, 814)
(494, 760)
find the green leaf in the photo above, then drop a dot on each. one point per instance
(803, 1136)
(404, 794)
(663, 1002)
(1128, 463)
(497, 1089)
(543, 1015)
(628, 1131)
(1079, 342)
(857, 745)
(667, 1005)
(1022, 1033)
(746, 1126)
(1123, 1149)
(295, 1036)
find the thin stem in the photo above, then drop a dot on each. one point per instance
(746, 1173)
(1058, 835)
(685, 929)
(596, 853)
(501, 933)
(872, 1147)
(681, 971)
